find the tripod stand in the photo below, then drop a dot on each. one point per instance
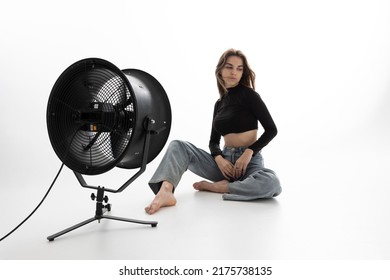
(102, 208)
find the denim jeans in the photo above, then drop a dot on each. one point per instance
(257, 182)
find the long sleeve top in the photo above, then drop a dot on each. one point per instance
(240, 110)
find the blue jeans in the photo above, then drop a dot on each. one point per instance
(257, 182)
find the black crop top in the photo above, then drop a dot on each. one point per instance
(239, 110)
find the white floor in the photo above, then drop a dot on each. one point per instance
(334, 206)
(326, 83)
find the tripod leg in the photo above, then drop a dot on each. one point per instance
(152, 223)
(51, 237)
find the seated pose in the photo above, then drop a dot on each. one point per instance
(237, 170)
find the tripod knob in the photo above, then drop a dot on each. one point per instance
(93, 196)
(105, 199)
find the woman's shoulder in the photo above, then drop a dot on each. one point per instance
(217, 103)
(240, 88)
(249, 92)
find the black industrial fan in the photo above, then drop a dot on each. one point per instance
(100, 117)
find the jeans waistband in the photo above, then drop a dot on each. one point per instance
(234, 149)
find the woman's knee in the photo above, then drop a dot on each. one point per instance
(177, 145)
(268, 183)
(175, 142)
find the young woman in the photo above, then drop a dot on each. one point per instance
(237, 170)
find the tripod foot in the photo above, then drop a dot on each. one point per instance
(52, 237)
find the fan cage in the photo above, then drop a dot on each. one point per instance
(91, 116)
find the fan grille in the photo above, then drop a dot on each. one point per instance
(90, 116)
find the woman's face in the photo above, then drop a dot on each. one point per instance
(232, 71)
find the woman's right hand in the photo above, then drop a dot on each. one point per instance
(226, 167)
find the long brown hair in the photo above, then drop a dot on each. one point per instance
(248, 76)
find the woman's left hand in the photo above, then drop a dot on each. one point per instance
(242, 163)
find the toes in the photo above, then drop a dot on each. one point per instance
(150, 209)
(147, 209)
(200, 186)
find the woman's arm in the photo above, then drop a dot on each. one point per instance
(260, 110)
(224, 165)
(215, 137)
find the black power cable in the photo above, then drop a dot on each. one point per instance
(36, 208)
(47, 192)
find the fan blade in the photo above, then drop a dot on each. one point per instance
(122, 94)
(118, 143)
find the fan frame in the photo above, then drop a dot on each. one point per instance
(147, 121)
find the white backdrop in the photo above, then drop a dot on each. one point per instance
(323, 69)
(322, 66)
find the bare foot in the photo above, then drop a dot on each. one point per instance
(218, 187)
(164, 198)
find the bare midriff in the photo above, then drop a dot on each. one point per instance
(243, 139)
